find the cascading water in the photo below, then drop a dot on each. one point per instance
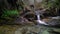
(38, 19)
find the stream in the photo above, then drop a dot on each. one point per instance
(41, 28)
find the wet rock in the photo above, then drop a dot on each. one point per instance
(30, 17)
(54, 32)
(22, 21)
(57, 17)
(29, 30)
(26, 29)
(54, 22)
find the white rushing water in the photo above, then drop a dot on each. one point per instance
(38, 19)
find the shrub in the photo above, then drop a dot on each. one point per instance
(8, 13)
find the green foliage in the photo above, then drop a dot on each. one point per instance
(8, 13)
(52, 6)
(51, 3)
(48, 4)
(57, 3)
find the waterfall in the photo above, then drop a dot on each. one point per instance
(38, 19)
